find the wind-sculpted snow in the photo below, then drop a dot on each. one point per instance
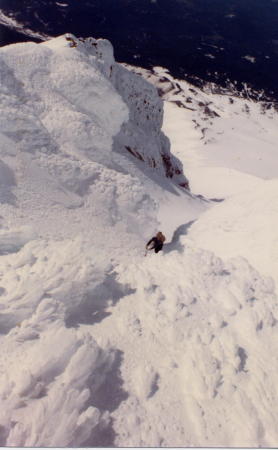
(60, 114)
(13, 240)
(45, 399)
(73, 203)
(197, 352)
(51, 370)
(68, 111)
(201, 354)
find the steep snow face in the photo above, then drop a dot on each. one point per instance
(210, 322)
(100, 345)
(228, 145)
(74, 119)
(83, 184)
(141, 136)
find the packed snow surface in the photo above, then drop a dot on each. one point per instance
(100, 344)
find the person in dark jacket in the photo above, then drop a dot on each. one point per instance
(156, 242)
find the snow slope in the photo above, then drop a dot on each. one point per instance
(224, 134)
(100, 345)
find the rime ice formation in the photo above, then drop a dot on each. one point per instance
(100, 345)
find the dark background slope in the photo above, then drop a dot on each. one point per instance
(192, 38)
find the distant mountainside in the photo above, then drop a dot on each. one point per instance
(196, 40)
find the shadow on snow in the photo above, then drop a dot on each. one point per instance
(107, 397)
(92, 308)
(175, 243)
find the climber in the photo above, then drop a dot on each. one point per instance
(156, 242)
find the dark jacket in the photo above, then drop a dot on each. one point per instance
(157, 244)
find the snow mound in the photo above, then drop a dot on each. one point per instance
(51, 389)
(243, 225)
(44, 300)
(209, 370)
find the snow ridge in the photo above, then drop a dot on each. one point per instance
(11, 22)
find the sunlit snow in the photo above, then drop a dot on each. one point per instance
(100, 344)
